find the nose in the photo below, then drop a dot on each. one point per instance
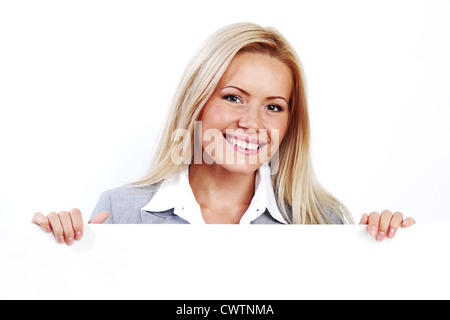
(250, 120)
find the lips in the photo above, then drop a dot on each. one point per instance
(244, 143)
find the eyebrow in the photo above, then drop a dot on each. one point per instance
(248, 94)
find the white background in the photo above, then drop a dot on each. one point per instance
(85, 85)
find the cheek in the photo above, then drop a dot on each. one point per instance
(213, 121)
(210, 121)
(278, 131)
(283, 133)
(213, 117)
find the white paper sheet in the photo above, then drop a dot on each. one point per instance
(225, 262)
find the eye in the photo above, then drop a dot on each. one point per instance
(274, 108)
(233, 98)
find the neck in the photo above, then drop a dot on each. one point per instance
(221, 193)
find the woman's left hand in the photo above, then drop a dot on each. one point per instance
(386, 224)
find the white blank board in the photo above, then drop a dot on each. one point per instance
(225, 262)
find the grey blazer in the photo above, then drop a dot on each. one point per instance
(124, 205)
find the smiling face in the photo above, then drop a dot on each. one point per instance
(246, 117)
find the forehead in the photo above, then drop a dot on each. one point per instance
(258, 73)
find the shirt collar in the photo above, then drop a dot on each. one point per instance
(176, 193)
(264, 197)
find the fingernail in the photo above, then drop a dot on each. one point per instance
(69, 241)
(48, 229)
(60, 239)
(391, 232)
(381, 236)
(78, 235)
(373, 231)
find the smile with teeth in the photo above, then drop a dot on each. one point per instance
(246, 145)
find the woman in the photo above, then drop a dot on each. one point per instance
(235, 148)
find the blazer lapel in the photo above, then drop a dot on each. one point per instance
(163, 217)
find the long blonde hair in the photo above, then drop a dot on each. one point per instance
(301, 199)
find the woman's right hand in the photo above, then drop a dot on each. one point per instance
(66, 226)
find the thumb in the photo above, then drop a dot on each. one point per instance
(364, 219)
(99, 218)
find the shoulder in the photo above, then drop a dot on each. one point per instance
(334, 217)
(131, 193)
(124, 203)
(328, 216)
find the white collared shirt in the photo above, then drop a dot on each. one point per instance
(177, 194)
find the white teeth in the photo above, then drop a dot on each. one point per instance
(252, 146)
(242, 144)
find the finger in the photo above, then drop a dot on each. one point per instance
(374, 219)
(364, 219)
(396, 221)
(66, 222)
(408, 222)
(100, 218)
(77, 223)
(57, 227)
(385, 221)
(41, 220)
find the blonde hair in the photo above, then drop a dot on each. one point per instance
(301, 199)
